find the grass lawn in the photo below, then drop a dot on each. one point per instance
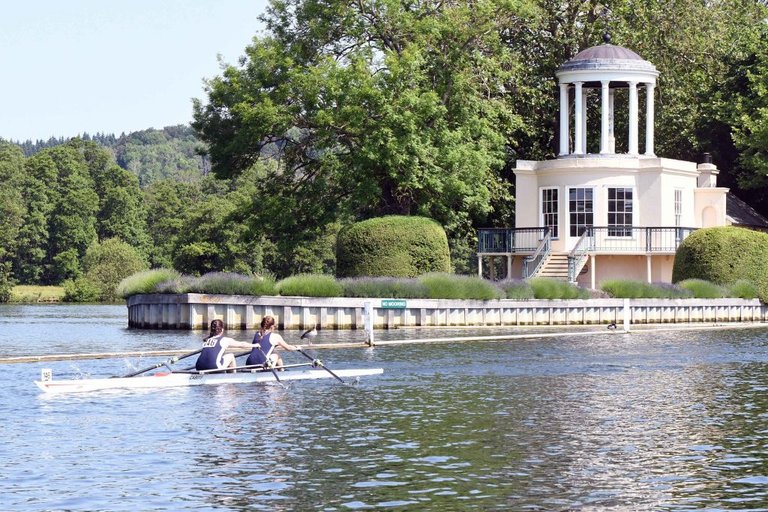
(32, 294)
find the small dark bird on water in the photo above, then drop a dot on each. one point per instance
(310, 334)
(612, 325)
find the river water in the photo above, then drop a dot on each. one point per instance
(613, 421)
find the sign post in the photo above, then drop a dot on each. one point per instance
(368, 322)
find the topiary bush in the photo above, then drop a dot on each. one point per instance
(724, 255)
(393, 246)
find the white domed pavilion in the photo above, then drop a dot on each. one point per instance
(591, 216)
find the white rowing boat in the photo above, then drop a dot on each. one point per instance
(180, 379)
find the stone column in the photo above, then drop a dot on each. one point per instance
(633, 120)
(584, 121)
(649, 114)
(564, 119)
(578, 115)
(604, 122)
(611, 114)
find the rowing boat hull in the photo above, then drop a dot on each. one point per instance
(174, 380)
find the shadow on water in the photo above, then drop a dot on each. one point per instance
(647, 421)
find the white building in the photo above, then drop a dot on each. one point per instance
(587, 217)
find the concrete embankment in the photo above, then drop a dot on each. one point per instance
(195, 311)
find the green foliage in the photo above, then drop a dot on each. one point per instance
(743, 289)
(386, 287)
(29, 294)
(627, 289)
(724, 255)
(516, 289)
(82, 289)
(146, 282)
(229, 283)
(106, 264)
(365, 122)
(395, 246)
(6, 282)
(702, 289)
(309, 285)
(545, 288)
(168, 204)
(153, 155)
(12, 210)
(449, 286)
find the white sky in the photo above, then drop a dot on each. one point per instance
(68, 67)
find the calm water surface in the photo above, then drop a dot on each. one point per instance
(645, 421)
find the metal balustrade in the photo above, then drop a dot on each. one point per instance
(597, 239)
(510, 240)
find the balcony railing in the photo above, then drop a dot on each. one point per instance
(506, 240)
(597, 239)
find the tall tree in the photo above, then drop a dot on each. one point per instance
(12, 211)
(121, 213)
(370, 108)
(71, 225)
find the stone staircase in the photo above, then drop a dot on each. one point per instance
(555, 267)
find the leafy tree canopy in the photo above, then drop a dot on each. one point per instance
(371, 108)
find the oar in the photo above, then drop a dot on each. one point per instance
(172, 360)
(317, 362)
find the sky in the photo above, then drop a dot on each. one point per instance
(96, 66)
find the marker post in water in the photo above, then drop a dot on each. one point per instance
(368, 322)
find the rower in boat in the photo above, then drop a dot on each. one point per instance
(217, 349)
(264, 343)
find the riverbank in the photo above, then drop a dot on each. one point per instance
(195, 311)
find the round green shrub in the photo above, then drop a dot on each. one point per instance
(392, 246)
(724, 255)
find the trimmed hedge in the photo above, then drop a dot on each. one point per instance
(724, 255)
(392, 246)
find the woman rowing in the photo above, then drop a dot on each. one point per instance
(217, 349)
(265, 341)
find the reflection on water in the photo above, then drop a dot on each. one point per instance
(647, 421)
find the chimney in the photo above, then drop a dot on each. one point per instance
(707, 172)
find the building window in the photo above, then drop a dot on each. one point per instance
(580, 210)
(620, 212)
(678, 206)
(550, 210)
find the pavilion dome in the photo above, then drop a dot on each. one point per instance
(607, 57)
(605, 68)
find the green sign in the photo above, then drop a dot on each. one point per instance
(393, 303)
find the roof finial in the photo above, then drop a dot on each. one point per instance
(605, 14)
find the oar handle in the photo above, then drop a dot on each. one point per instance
(320, 364)
(266, 363)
